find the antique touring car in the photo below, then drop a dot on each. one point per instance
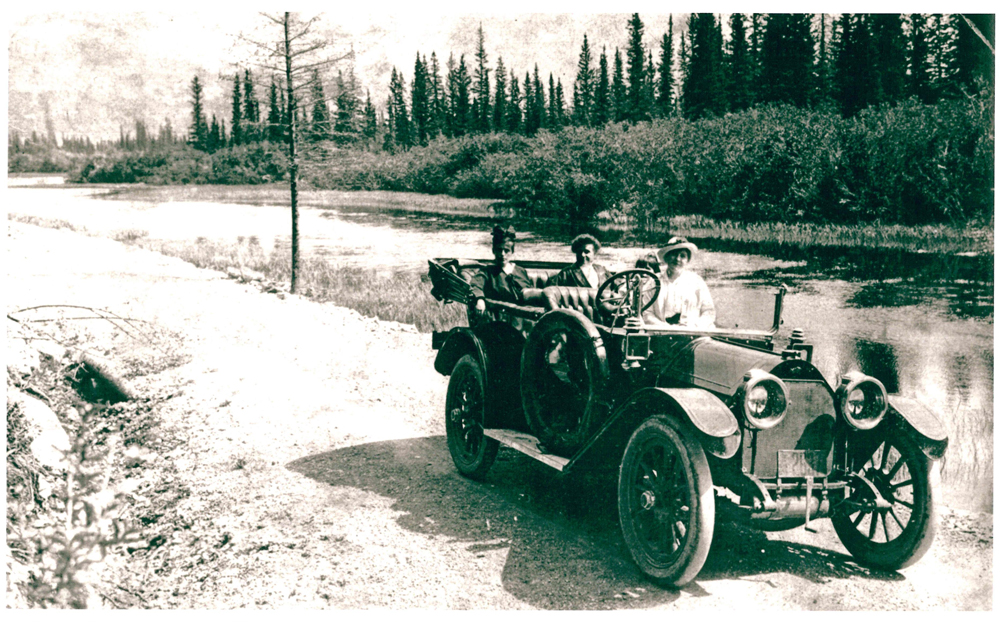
(695, 420)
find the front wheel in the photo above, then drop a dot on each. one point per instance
(666, 503)
(465, 414)
(898, 536)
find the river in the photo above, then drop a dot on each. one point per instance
(921, 323)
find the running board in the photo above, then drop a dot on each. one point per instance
(527, 444)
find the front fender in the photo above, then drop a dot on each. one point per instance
(460, 341)
(715, 424)
(930, 430)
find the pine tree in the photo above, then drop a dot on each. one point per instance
(320, 128)
(388, 139)
(460, 105)
(515, 123)
(583, 88)
(920, 65)
(531, 122)
(251, 109)
(787, 59)
(438, 108)
(500, 97)
(619, 94)
(483, 113)
(635, 109)
(704, 83)
(420, 102)
(199, 126)
(944, 44)
(370, 130)
(397, 95)
(560, 104)
(216, 136)
(274, 114)
(665, 95)
(822, 73)
(738, 64)
(346, 127)
(237, 122)
(602, 111)
(856, 83)
(890, 55)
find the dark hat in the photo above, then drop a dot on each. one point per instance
(502, 234)
(676, 243)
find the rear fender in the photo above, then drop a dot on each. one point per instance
(913, 416)
(714, 424)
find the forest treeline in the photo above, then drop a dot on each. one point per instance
(882, 117)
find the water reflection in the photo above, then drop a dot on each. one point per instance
(877, 360)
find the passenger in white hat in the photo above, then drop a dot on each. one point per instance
(684, 299)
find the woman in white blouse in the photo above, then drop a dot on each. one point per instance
(684, 299)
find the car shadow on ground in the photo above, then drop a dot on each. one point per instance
(565, 546)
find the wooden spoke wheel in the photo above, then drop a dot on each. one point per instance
(465, 409)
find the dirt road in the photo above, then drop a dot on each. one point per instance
(311, 471)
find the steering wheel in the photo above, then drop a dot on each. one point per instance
(628, 293)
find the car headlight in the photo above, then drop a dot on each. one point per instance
(764, 399)
(863, 400)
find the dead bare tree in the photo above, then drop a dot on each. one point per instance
(301, 53)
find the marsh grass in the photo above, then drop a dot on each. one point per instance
(399, 297)
(927, 238)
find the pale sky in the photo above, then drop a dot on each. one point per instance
(110, 65)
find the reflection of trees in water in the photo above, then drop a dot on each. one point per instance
(878, 360)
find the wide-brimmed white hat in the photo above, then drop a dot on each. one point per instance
(676, 243)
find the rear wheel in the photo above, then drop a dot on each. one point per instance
(666, 503)
(465, 414)
(898, 536)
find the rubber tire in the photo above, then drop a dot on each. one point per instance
(700, 522)
(472, 451)
(916, 538)
(582, 331)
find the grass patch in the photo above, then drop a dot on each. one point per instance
(400, 297)
(48, 223)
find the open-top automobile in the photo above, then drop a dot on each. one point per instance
(696, 420)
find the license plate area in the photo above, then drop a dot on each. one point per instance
(802, 463)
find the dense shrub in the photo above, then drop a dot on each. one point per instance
(246, 164)
(910, 164)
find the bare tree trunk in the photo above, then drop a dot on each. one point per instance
(293, 163)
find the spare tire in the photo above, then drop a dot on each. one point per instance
(564, 374)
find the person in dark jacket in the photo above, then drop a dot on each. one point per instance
(501, 280)
(584, 273)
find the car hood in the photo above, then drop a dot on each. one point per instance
(715, 365)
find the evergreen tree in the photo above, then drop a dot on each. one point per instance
(619, 94)
(921, 73)
(237, 122)
(665, 95)
(636, 109)
(401, 121)
(420, 102)
(538, 104)
(890, 55)
(739, 65)
(198, 137)
(274, 114)
(560, 103)
(251, 109)
(602, 111)
(786, 61)
(531, 121)
(822, 73)
(944, 44)
(216, 136)
(514, 117)
(370, 129)
(483, 112)
(437, 100)
(856, 84)
(583, 88)
(388, 139)
(460, 105)
(320, 128)
(703, 86)
(500, 97)
(346, 126)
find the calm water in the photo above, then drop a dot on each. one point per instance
(921, 323)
